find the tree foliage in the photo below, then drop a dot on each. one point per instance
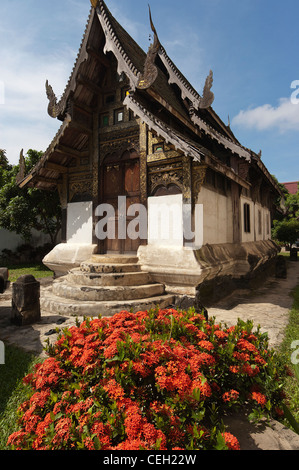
(22, 210)
(286, 230)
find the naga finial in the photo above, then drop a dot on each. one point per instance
(22, 166)
(53, 107)
(150, 70)
(208, 96)
(94, 3)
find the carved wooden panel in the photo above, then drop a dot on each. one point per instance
(122, 178)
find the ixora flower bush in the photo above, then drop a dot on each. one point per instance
(157, 380)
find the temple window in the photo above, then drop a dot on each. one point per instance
(118, 116)
(247, 228)
(158, 147)
(105, 120)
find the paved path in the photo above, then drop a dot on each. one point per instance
(267, 306)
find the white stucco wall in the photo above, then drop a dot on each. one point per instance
(11, 241)
(165, 220)
(79, 223)
(265, 219)
(217, 217)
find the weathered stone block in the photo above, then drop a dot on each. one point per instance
(3, 279)
(25, 301)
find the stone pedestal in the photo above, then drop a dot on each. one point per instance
(25, 301)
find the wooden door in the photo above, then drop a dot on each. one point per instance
(121, 177)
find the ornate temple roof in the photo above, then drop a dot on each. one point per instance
(152, 76)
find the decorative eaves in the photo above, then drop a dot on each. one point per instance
(113, 44)
(225, 141)
(24, 180)
(169, 135)
(57, 108)
(150, 74)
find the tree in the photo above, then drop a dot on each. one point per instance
(21, 210)
(4, 164)
(286, 231)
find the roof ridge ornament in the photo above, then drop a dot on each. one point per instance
(54, 109)
(150, 72)
(94, 3)
(208, 96)
(22, 167)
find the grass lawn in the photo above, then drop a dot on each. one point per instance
(37, 270)
(291, 335)
(12, 392)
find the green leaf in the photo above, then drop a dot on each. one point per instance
(296, 369)
(221, 445)
(97, 443)
(289, 416)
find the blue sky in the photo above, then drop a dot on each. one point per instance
(251, 46)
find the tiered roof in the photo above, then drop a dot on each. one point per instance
(153, 77)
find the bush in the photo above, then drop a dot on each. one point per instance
(157, 380)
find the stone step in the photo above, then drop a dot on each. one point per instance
(108, 268)
(62, 288)
(53, 304)
(76, 277)
(114, 259)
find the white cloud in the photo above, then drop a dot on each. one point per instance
(24, 122)
(284, 117)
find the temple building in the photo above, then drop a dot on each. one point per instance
(135, 132)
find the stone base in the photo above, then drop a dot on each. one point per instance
(217, 269)
(105, 285)
(60, 306)
(66, 256)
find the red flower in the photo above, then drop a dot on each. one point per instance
(231, 441)
(259, 398)
(231, 395)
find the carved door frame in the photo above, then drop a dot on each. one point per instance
(122, 163)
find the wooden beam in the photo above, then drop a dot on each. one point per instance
(83, 108)
(81, 128)
(55, 167)
(43, 179)
(100, 57)
(71, 152)
(88, 83)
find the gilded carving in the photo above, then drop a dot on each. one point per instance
(95, 180)
(165, 176)
(119, 142)
(80, 184)
(198, 178)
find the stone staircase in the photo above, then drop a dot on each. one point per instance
(105, 284)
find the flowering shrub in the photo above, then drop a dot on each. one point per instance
(156, 380)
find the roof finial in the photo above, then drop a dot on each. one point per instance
(150, 70)
(94, 3)
(152, 24)
(208, 96)
(21, 174)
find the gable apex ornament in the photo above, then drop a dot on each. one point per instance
(54, 108)
(208, 96)
(94, 3)
(150, 72)
(22, 166)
